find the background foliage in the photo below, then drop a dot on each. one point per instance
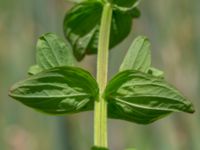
(173, 28)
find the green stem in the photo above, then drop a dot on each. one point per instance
(100, 115)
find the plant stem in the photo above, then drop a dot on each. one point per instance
(100, 114)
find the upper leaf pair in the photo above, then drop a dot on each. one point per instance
(81, 26)
(139, 93)
(54, 86)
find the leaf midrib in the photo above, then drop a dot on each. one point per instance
(144, 107)
(47, 96)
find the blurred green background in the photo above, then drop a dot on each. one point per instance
(173, 28)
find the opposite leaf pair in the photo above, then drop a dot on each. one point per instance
(82, 22)
(137, 94)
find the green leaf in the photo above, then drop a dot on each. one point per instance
(142, 98)
(53, 52)
(81, 27)
(60, 90)
(125, 3)
(156, 72)
(135, 12)
(132, 10)
(99, 148)
(138, 56)
(120, 27)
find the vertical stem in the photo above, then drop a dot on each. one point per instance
(100, 114)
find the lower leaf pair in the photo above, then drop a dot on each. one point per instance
(138, 93)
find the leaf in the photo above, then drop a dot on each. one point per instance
(125, 3)
(142, 98)
(53, 52)
(138, 56)
(132, 10)
(135, 12)
(156, 72)
(60, 90)
(120, 27)
(99, 148)
(81, 27)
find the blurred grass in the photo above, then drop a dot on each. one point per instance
(173, 28)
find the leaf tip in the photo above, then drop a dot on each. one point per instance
(191, 109)
(10, 92)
